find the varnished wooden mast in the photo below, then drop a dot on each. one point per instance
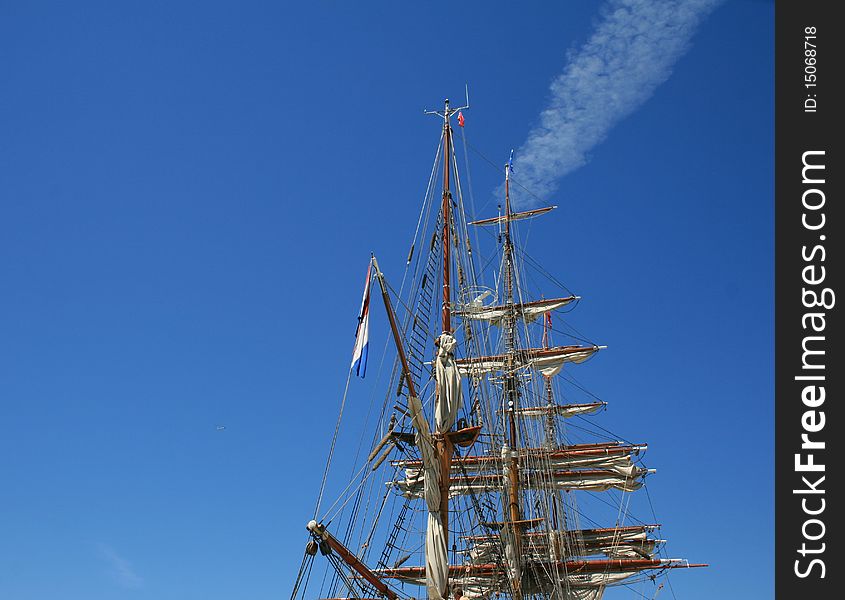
(394, 328)
(443, 444)
(446, 211)
(514, 500)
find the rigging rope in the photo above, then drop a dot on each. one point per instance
(331, 448)
(302, 569)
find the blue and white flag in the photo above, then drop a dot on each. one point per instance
(362, 334)
(510, 161)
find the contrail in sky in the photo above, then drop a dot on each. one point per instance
(630, 53)
(121, 569)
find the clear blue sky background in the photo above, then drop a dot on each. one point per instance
(188, 195)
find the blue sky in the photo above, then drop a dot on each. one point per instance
(188, 196)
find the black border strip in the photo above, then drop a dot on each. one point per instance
(808, 228)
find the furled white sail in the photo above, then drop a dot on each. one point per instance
(449, 400)
(413, 486)
(614, 542)
(562, 410)
(617, 458)
(436, 557)
(594, 580)
(595, 593)
(448, 377)
(527, 311)
(578, 586)
(548, 361)
(597, 481)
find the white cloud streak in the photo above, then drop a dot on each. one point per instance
(630, 53)
(121, 569)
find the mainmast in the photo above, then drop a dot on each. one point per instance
(436, 447)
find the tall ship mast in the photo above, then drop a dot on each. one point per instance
(486, 475)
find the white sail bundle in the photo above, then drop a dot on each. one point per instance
(436, 557)
(590, 586)
(631, 541)
(548, 361)
(449, 402)
(617, 458)
(624, 542)
(614, 544)
(577, 579)
(448, 377)
(528, 312)
(627, 546)
(561, 410)
(593, 481)
(598, 480)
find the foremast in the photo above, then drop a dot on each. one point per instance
(436, 448)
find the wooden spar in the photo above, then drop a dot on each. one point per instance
(384, 440)
(494, 480)
(384, 456)
(397, 337)
(513, 216)
(530, 353)
(590, 450)
(557, 408)
(520, 307)
(387, 437)
(575, 532)
(319, 531)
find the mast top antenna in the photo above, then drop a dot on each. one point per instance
(447, 111)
